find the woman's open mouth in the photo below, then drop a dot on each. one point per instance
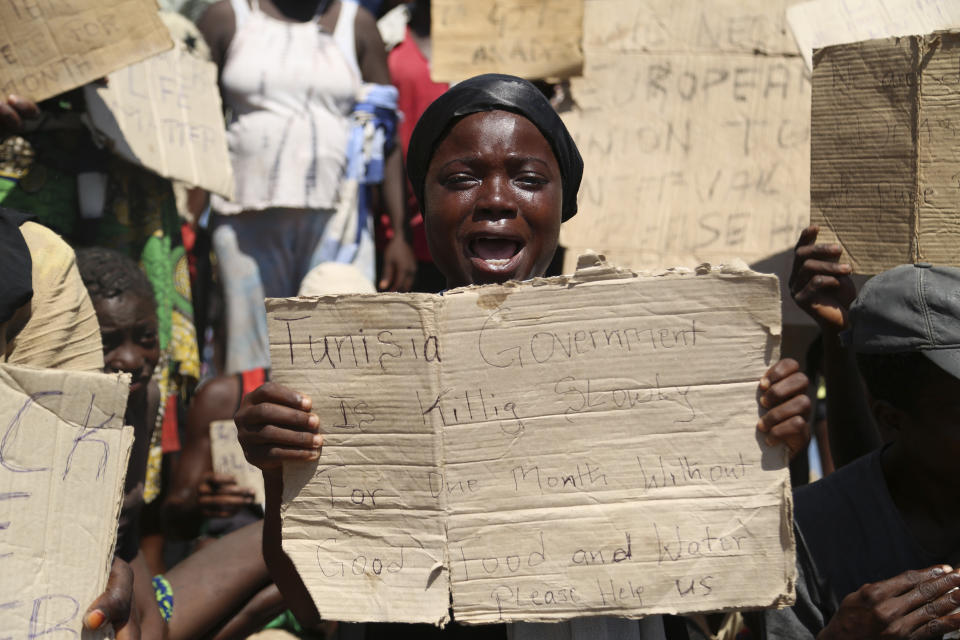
(495, 254)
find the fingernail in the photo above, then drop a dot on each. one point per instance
(94, 619)
(306, 403)
(764, 402)
(761, 427)
(314, 455)
(942, 569)
(313, 420)
(317, 442)
(764, 382)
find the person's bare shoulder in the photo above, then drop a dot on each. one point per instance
(218, 24)
(217, 399)
(371, 52)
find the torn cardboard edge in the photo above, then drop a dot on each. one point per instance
(910, 195)
(65, 402)
(822, 23)
(593, 269)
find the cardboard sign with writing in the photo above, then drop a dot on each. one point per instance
(165, 114)
(563, 448)
(228, 458)
(821, 23)
(884, 156)
(695, 148)
(63, 460)
(51, 46)
(533, 39)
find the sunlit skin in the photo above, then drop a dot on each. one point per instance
(493, 200)
(128, 328)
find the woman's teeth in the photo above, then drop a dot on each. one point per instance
(495, 251)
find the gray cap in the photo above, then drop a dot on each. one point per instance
(913, 307)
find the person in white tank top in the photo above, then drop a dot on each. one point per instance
(290, 74)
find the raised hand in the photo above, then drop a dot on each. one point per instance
(819, 283)
(274, 425)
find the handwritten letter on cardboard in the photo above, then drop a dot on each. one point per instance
(50, 46)
(550, 450)
(63, 459)
(165, 114)
(534, 39)
(884, 159)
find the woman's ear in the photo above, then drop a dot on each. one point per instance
(890, 419)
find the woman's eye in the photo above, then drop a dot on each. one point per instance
(531, 179)
(459, 179)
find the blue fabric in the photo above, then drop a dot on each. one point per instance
(365, 163)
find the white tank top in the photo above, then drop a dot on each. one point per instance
(290, 88)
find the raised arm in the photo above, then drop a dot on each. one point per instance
(399, 263)
(823, 288)
(275, 425)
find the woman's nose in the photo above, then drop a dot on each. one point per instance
(126, 357)
(496, 198)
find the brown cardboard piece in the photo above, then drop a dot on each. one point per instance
(821, 23)
(695, 149)
(228, 458)
(51, 46)
(529, 38)
(63, 460)
(884, 158)
(555, 449)
(688, 26)
(165, 114)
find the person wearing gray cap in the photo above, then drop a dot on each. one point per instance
(874, 538)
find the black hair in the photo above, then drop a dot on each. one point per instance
(107, 273)
(898, 378)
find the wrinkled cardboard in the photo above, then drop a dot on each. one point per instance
(532, 39)
(695, 149)
(688, 26)
(884, 155)
(63, 460)
(555, 449)
(165, 113)
(51, 46)
(821, 23)
(228, 458)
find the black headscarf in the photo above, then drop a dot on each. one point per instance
(494, 92)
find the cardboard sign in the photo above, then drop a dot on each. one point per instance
(51, 46)
(695, 148)
(885, 180)
(532, 39)
(63, 460)
(822, 23)
(556, 449)
(165, 114)
(228, 458)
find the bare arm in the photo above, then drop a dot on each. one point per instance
(275, 425)
(211, 585)
(822, 287)
(196, 492)
(218, 26)
(399, 263)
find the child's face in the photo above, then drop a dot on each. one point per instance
(493, 200)
(128, 326)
